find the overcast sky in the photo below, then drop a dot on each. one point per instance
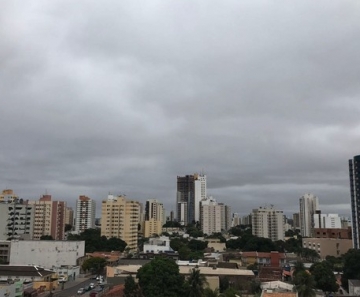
(123, 96)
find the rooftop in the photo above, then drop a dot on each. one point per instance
(23, 270)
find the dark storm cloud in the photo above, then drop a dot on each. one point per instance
(124, 96)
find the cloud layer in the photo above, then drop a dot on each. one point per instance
(121, 97)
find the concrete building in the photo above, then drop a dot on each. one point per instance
(152, 228)
(49, 218)
(332, 221)
(210, 216)
(225, 216)
(191, 189)
(157, 245)
(328, 246)
(309, 204)
(236, 220)
(354, 174)
(85, 214)
(8, 195)
(154, 218)
(344, 233)
(120, 219)
(69, 216)
(16, 220)
(46, 253)
(268, 222)
(5, 247)
(296, 221)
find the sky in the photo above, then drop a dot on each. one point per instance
(121, 97)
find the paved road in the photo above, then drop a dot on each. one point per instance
(70, 289)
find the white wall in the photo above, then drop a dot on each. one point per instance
(46, 253)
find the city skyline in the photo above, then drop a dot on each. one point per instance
(262, 97)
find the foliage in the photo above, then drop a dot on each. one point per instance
(211, 293)
(218, 235)
(172, 224)
(335, 262)
(161, 278)
(309, 255)
(240, 230)
(298, 267)
(324, 276)
(195, 283)
(95, 242)
(351, 266)
(197, 245)
(131, 288)
(304, 284)
(224, 283)
(46, 237)
(68, 227)
(293, 245)
(94, 264)
(260, 244)
(194, 230)
(188, 250)
(255, 287)
(230, 292)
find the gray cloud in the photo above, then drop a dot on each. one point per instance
(124, 96)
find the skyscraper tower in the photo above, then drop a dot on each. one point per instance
(85, 214)
(354, 173)
(309, 204)
(191, 189)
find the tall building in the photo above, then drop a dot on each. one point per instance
(191, 189)
(69, 216)
(309, 204)
(120, 218)
(296, 221)
(85, 214)
(268, 222)
(49, 218)
(8, 195)
(214, 217)
(329, 221)
(225, 216)
(16, 220)
(154, 218)
(354, 174)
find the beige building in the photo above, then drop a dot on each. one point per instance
(268, 222)
(49, 218)
(8, 195)
(69, 216)
(328, 246)
(120, 219)
(152, 227)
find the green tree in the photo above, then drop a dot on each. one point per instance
(298, 267)
(94, 264)
(68, 227)
(46, 237)
(197, 245)
(195, 283)
(131, 288)
(230, 292)
(304, 284)
(351, 266)
(324, 277)
(161, 278)
(211, 293)
(309, 255)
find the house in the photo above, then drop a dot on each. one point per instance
(274, 259)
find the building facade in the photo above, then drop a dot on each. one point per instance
(154, 217)
(8, 195)
(268, 222)
(49, 218)
(69, 216)
(332, 221)
(328, 246)
(309, 204)
(120, 218)
(191, 189)
(354, 174)
(85, 214)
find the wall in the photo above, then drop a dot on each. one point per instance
(46, 253)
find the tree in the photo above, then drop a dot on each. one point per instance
(309, 255)
(351, 266)
(161, 278)
(298, 267)
(94, 264)
(68, 227)
(304, 284)
(211, 293)
(324, 277)
(131, 288)
(46, 237)
(196, 282)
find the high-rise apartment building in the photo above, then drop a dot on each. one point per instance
(296, 221)
(8, 195)
(191, 189)
(309, 204)
(49, 218)
(16, 220)
(214, 217)
(354, 174)
(154, 217)
(120, 218)
(329, 221)
(69, 216)
(85, 214)
(268, 222)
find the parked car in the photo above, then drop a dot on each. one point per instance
(92, 286)
(81, 291)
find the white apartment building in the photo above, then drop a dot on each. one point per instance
(85, 214)
(200, 193)
(268, 222)
(210, 216)
(331, 221)
(309, 204)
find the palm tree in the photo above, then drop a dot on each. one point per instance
(196, 282)
(304, 284)
(211, 293)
